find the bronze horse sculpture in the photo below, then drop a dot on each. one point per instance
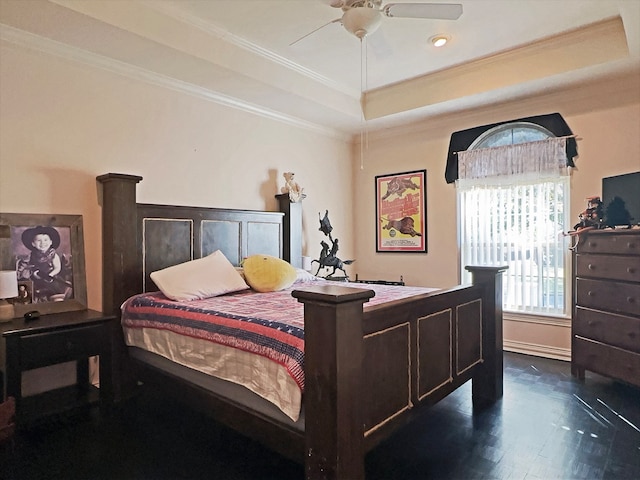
(329, 258)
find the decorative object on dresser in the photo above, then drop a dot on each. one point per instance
(605, 335)
(8, 290)
(53, 339)
(47, 253)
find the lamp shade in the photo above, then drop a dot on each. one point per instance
(306, 263)
(8, 284)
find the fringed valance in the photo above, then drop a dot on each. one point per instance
(460, 141)
(536, 160)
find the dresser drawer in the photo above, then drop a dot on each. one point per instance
(625, 244)
(610, 267)
(606, 295)
(607, 360)
(617, 330)
(56, 347)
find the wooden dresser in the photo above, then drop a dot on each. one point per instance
(605, 335)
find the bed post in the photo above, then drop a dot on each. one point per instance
(487, 382)
(334, 425)
(119, 260)
(291, 229)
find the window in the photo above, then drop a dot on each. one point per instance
(517, 220)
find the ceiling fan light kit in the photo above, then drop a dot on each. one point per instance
(361, 21)
(363, 17)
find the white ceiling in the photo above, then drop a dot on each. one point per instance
(239, 52)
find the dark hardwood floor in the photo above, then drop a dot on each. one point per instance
(547, 426)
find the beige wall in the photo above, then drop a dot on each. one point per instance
(62, 123)
(605, 117)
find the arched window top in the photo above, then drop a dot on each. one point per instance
(464, 139)
(511, 134)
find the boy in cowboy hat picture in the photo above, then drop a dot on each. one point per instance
(45, 264)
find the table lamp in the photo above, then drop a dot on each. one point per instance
(8, 289)
(306, 263)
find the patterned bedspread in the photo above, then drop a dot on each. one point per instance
(267, 324)
(260, 323)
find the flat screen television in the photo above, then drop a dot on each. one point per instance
(619, 194)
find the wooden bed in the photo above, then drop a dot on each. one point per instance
(367, 373)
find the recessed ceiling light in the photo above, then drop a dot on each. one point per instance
(439, 40)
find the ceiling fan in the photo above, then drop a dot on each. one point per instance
(363, 17)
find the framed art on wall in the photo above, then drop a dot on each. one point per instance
(401, 212)
(47, 253)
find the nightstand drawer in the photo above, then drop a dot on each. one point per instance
(617, 330)
(606, 295)
(44, 349)
(611, 267)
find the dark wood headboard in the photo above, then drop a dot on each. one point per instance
(149, 237)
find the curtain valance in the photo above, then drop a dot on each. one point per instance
(460, 141)
(525, 161)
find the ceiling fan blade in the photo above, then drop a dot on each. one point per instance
(314, 31)
(440, 11)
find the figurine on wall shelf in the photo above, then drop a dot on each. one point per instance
(328, 258)
(291, 187)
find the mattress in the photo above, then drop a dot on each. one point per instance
(251, 339)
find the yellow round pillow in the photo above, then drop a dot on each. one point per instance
(265, 273)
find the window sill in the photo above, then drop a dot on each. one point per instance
(555, 320)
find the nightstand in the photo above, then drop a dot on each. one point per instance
(49, 340)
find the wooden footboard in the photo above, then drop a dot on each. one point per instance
(368, 373)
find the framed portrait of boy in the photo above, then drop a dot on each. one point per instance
(25, 292)
(47, 253)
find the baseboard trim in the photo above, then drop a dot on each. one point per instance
(536, 350)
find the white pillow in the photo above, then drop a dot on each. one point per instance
(303, 275)
(202, 278)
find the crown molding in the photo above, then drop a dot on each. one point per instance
(30, 41)
(239, 42)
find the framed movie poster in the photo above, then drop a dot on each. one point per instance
(47, 253)
(401, 212)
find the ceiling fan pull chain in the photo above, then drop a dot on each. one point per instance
(364, 133)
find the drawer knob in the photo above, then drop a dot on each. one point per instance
(591, 267)
(631, 270)
(631, 299)
(631, 245)
(591, 293)
(593, 244)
